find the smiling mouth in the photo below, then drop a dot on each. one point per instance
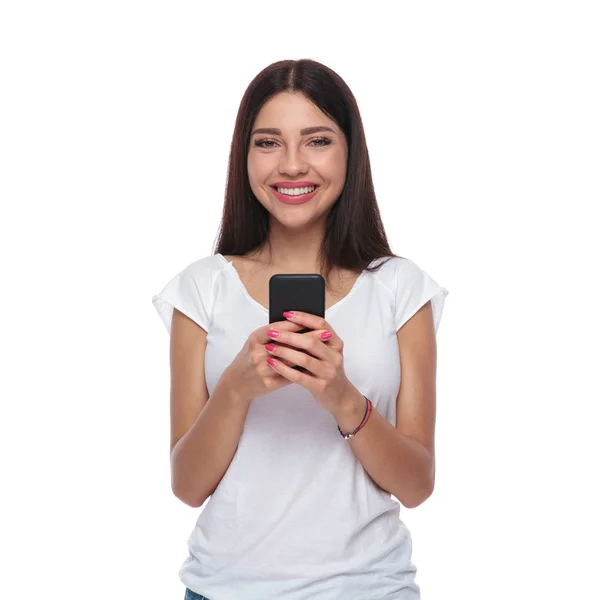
(295, 191)
(295, 196)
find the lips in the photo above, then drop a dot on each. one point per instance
(297, 199)
(294, 184)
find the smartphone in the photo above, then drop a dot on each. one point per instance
(294, 291)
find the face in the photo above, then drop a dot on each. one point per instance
(290, 151)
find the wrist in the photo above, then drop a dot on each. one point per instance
(351, 411)
(230, 391)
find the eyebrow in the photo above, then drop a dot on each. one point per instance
(305, 131)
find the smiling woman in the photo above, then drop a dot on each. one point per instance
(277, 165)
(295, 510)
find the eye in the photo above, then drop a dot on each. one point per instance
(326, 141)
(260, 143)
(318, 142)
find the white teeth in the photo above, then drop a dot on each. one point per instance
(296, 191)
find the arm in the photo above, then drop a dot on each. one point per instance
(401, 459)
(205, 432)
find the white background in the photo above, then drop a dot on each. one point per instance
(482, 121)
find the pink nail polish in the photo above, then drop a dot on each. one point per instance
(326, 335)
(270, 347)
(273, 333)
(288, 314)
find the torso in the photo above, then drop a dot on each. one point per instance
(255, 279)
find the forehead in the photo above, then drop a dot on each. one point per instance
(290, 111)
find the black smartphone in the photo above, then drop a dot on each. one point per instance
(294, 291)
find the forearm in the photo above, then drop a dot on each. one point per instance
(396, 463)
(202, 456)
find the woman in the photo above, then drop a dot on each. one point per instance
(300, 467)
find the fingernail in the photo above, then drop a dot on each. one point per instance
(326, 335)
(271, 362)
(273, 333)
(270, 347)
(288, 314)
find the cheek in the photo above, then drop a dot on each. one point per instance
(252, 169)
(333, 167)
(337, 174)
(257, 174)
(259, 168)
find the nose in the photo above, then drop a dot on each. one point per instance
(293, 163)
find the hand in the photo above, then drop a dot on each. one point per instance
(249, 376)
(326, 379)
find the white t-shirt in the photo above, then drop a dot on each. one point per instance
(296, 516)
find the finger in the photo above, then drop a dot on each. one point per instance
(306, 319)
(284, 325)
(317, 367)
(309, 342)
(293, 375)
(315, 356)
(286, 361)
(260, 336)
(279, 326)
(316, 323)
(310, 333)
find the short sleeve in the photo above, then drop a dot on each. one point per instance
(189, 293)
(414, 288)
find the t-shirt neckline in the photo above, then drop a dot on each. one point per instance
(236, 276)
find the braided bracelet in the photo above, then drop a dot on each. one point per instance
(362, 423)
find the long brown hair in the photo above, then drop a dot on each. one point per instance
(354, 232)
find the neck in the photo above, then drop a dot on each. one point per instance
(293, 251)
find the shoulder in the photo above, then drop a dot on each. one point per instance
(414, 287)
(207, 266)
(396, 270)
(191, 291)
(203, 273)
(409, 287)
